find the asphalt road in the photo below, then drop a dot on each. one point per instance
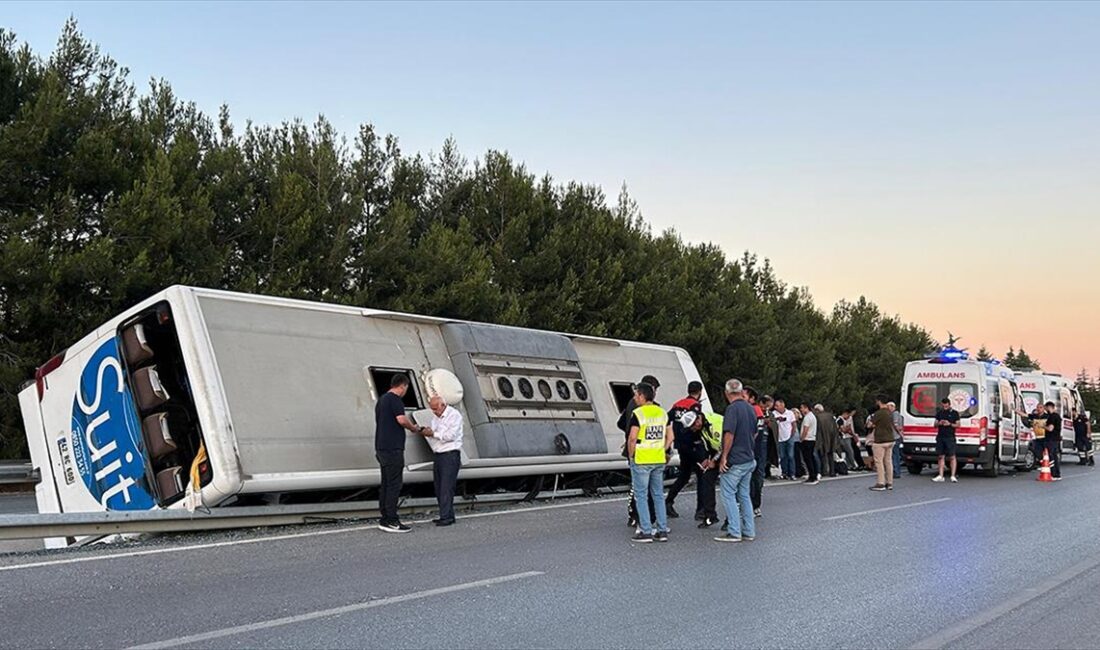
(1005, 562)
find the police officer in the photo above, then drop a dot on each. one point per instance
(647, 447)
(686, 445)
(624, 426)
(707, 430)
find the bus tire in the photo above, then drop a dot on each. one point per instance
(915, 468)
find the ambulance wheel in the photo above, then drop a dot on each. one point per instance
(915, 468)
(1029, 460)
(993, 467)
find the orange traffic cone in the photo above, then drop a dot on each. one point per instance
(1044, 469)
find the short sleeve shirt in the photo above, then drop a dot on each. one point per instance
(809, 425)
(950, 415)
(388, 434)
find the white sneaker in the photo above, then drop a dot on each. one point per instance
(939, 479)
(954, 479)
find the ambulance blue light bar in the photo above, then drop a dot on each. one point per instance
(949, 354)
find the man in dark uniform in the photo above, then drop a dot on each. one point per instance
(624, 426)
(1082, 433)
(1053, 441)
(686, 442)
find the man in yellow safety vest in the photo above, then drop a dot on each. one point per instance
(647, 449)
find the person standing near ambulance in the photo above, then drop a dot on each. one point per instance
(1082, 434)
(882, 445)
(1052, 444)
(650, 439)
(947, 421)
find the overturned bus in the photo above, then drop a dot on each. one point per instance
(214, 395)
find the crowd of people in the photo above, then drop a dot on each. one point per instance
(735, 453)
(757, 438)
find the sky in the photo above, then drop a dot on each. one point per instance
(941, 159)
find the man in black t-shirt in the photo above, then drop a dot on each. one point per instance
(947, 420)
(1053, 441)
(1082, 438)
(390, 424)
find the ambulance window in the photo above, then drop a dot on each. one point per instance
(622, 392)
(1008, 399)
(382, 378)
(1032, 400)
(1065, 399)
(922, 400)
(964, 399)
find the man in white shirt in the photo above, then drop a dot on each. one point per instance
(445, 438)
(785, 426)
(809, 445)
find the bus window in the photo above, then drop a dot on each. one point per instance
(382, 378)
(622, 392)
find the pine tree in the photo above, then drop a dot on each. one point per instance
(984, 354)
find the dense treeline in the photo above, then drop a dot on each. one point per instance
(108, 195)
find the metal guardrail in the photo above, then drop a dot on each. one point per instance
(15, 472)
(100, 524)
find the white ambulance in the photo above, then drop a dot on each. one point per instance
(990, 432)
(1038, 388)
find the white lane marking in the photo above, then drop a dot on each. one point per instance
(335, 611)
(275, 538)
(869, 512)
(951, 634)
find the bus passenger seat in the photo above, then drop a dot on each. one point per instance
(135, 346)
(150, 392)
(158, 437)
(170, 482)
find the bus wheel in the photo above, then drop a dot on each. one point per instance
(915, 468)
(991, 468)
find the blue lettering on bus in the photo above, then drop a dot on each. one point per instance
(106, 434)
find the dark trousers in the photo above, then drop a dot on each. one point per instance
(1054, 448)
(445, 474)
(633, 508)
(688, 467)
(392, 464)
(799, 458)
(773, 454)
(809, 459)
(708, 485)
(756, 483)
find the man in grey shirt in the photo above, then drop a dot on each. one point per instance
(899, 425)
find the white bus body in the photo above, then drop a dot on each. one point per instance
(281, 394)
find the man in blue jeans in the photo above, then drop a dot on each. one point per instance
(647, 448)
(737, 464)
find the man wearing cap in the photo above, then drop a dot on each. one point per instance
(686, 443)
(624, 426)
